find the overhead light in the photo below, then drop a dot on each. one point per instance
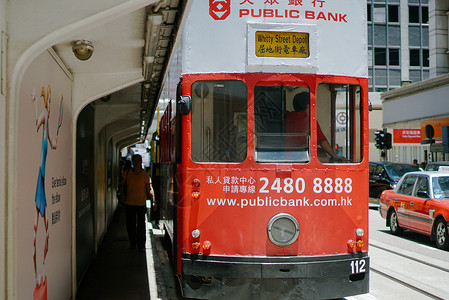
(145, 91)
(153, 27)
(149, 59)
(82, 49)
(154, 22)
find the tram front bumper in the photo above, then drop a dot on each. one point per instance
(312, 277)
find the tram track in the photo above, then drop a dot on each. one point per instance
(411, 258)
(411, 271)
(421, 291)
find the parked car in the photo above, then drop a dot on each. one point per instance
(420, 202)
(438, 166)
(384, 175)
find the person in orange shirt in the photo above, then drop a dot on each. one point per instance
(138, 190)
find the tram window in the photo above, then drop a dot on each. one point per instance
(281, 133)
(340, 117)
(219, 121)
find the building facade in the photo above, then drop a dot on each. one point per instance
(398, 43)
(408, 61)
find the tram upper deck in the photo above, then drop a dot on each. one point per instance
(308, 36)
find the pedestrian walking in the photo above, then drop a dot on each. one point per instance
(138, 190)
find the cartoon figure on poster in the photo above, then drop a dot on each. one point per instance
(42, 120)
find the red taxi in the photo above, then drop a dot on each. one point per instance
(420, 202)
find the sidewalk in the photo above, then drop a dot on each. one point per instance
(119, 272)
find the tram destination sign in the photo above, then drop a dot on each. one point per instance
(282, 44)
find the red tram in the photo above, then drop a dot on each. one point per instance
(264, 155)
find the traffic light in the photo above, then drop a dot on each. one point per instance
(388, 140)
(383, 139)
(380, 139)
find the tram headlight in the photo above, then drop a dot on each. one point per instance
(196, 233)
(359, 232)
(283, 229)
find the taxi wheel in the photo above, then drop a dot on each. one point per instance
(394, 225)
(441, 235)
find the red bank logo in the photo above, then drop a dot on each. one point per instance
(219, 9)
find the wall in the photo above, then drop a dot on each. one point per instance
(438, 37)
(84, 191)
(375, 123)
(44, 176)
(425, 102)
(3, 191)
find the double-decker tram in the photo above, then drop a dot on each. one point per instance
(264, 150)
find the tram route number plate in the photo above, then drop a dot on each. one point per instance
(358, 266)
(282, 44)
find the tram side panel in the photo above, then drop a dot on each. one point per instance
(169, 149)
(168, 180)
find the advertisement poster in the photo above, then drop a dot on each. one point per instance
(44, 182)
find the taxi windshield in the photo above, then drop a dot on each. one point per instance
(441, 187)
(395, 171)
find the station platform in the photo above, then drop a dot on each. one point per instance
(119, 272)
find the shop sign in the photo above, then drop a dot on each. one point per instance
(406, 135)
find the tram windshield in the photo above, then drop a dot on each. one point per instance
(340, 115)
(219, 114)
(281, 130)
(282, 123)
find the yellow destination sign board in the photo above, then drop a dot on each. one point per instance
(282, 44)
